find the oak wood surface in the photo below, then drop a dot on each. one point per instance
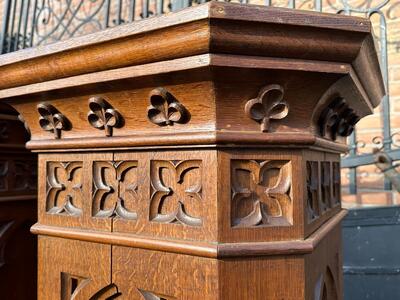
(195, 155)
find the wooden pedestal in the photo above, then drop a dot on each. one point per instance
(195, 155)
(18, 209)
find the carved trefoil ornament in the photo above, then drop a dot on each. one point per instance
(261, 193)
(269, 105)
(165, 109)
(52, 120)
(103, 116)
(115, 189)
(64, 188)
(337, 119)
(176, 192)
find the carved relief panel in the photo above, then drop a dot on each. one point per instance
(64, 188)
(114, 190)
(261, 193)
(323, 187)
(176, 194)
(176, 188)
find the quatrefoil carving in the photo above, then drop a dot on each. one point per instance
(269, 105)
(165, 109)
(52, 120)
(261, 193)
(103, 116)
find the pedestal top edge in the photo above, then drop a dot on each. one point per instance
(210, 10)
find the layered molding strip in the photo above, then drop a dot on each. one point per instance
(210, 250)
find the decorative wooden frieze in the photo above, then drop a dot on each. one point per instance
(337, 119)
(52, 120)
(312, 190)
(64, 188)
(114, 191)
(176, 191)
(269, 105)
(146, 295)
(103, 116)
(261, 193)
(165, 109)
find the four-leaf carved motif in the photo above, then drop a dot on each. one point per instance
(261, 193)
(64, 188)
(175, 191)
(114, 189)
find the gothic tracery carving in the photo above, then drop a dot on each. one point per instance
(261, 193)
(176, 192)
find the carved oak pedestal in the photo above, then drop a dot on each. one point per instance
(195, 155)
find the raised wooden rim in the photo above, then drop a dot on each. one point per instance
(203, 249)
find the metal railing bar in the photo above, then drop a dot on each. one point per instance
(33, 23)
(11, 33)
(4, 26)
(366, 159)
(26, 19)
(21, 10)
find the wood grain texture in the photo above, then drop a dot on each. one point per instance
(87, 265)
(202, 156)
